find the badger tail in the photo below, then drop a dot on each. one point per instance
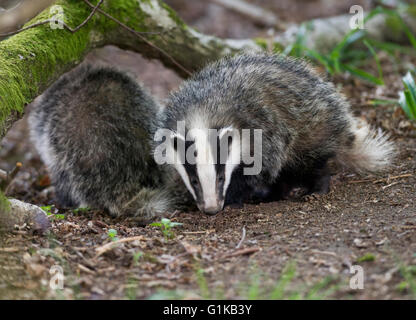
(371, 151)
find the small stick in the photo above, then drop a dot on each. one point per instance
(85, 269)
(253, 12)
(382, 180)
(243, 236)
(111, 245)
(49, 20)
(8, 177)
(240, 252)
(329, 253)
(394, 177)
(391, 184)
(199, 232)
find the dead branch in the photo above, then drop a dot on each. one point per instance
(73, 30)
(240, 252)
(13, 18)
(243, 236)
(111, 245)
(8, 177)
(253, 12)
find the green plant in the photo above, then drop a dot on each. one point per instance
(137, 256)
(345, 57)
(112, 234)
(284, 287)
(407, 98)
(409, 282)
(81, 210)
(366, 258)
(55, 216)
(47, 209)
(165, 225)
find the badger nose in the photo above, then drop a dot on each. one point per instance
(212, 210)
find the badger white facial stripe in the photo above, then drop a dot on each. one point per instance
(205, 164)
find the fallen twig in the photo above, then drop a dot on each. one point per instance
(240, 252)
(243, 236)
(382, 180)
(85, 269)
(390, 185)
(111, 245)
(199, 232)
(10, 250)
(393, 178)
(254, 12)
(51, 20)
(328, 253)
(8, 177)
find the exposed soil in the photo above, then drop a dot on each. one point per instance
(368, 221)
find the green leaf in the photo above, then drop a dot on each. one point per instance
(380, 71)
(362, 74)
(407, 98)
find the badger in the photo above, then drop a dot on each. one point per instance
(93, 129)
(300, 119)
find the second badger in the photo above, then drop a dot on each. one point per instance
(303, 121)
(93, 129)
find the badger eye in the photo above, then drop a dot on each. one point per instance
(194, 181)
(221, 179)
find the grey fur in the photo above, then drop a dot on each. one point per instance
(93, 129)
(305, 121)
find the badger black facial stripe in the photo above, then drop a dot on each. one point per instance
(180, 163)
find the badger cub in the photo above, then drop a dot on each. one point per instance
(93, 129)
(301, 122)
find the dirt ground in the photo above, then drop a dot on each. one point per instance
(288, 249)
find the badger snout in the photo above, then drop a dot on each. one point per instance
(211, 208)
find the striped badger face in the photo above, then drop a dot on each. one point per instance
(208, 158)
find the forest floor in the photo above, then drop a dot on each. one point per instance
(286, 249)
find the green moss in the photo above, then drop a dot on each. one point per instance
(4, 214)
(123, 11)
(32, 59)
(366, 258)
(4, 203)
